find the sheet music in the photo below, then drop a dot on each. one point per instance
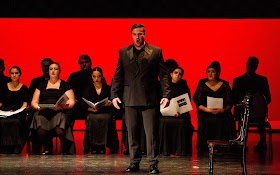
(62, 100)
(214, 102)
(5, 114)
(97, 105)
(179, 104)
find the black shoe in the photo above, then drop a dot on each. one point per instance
(102, 152)
(46, 153)
(65, 153)
(144, 152)
(126, 152)
(153, 169)
(94, 152)
(133, 167)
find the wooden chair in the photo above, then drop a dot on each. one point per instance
(240, 142)
(259, 110)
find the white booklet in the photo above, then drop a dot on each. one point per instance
(179, 104)
(60, 102)
(96, 105)
(5, 114)
(214, 102)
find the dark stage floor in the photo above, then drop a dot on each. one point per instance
(257, 163)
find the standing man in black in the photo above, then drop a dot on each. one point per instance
(251, 82)
(136, 75)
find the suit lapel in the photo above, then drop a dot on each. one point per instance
(130, 57)
(146, 58)
(148, 52)
(129, 53)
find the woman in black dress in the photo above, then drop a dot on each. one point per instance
(54, 120)
(213, 123)
(13, 130)
(99, 125)
(176, 131)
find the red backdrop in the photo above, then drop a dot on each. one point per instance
(193, 43)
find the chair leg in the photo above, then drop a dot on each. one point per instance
(211, 158)
(270, 141)
(243, 164)
(28, 146)
(56, 144)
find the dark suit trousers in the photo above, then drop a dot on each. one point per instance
(150, 122)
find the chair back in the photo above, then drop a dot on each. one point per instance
(258, 105)
(245, 118)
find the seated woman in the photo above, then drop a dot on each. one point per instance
(13, 131)
(53, 120)
(175, 132)
(213, 123)
(99, 124)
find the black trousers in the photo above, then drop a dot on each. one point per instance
(261, 128)
(150, 123)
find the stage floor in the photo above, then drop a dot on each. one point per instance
(257, 163)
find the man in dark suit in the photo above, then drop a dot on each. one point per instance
(78, 81)
(251, 82)
(136, 77)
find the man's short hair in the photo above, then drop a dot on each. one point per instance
(254, 59)
(46, 59)
(86, 57)
(138, 26)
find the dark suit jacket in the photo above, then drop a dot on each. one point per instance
(34, 83)
(139, 83)
(243, 84)
(78, 81)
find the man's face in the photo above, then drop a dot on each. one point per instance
(2, 68)
(138, 36)
(251, 66)
(84, 64)
(45, 67)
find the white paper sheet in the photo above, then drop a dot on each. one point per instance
(179, 104)
(214, 102)
(5, 114)
(97, 105)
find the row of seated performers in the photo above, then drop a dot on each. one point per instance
(175, 132)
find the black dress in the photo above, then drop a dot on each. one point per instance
(175, 133)
(49, 119)
(100, 130)
(13, 130)
(210, 126)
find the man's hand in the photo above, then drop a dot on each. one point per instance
(115, 102)
(164, 100)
